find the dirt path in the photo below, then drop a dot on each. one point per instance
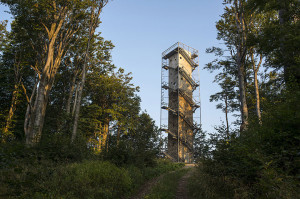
(182, 188)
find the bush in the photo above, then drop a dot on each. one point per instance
(90, 179)
(263, 162)
(208, 183)
(31, 177)
(55, 168)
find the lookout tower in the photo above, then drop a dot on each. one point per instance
(180, 101)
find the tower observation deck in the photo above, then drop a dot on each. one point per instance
(180, 101)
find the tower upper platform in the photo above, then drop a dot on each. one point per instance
(186, 51)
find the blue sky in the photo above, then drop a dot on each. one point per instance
(142, 29)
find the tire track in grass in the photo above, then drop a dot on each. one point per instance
(166, 188)
(146, 188)
(182, 188)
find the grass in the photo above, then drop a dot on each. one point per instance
(210, 185)
(86, 179)
(202, 185)
(140, 176)
(167, 186)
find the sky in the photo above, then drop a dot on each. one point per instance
(142, 29)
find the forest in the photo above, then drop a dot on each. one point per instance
(71, 124)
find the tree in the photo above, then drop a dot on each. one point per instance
(51, 26)
(237, 28)
(115, 106)
(145, 140)
(278, 39)
(15, 59)
(261, 162)
(65, 91)
(255, 68)
(17, 68)
(232, 30)
(227, 95)
(202, 147)
(226, 80)
(241, 50)
(139, 146)
(96, 9)
(4, 84)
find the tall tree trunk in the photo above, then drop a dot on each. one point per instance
(93, 25)
(68, 107)
(33, 131)
(14, 100)
(55, 46)
(243, 101)
(11, 111)
(257, 97)
(118, 135)
(255, 71)
(75, 98)
(78, 102)
(226, 116)
(240, 60)
(36, 120)
(29, 107)
(107, 135)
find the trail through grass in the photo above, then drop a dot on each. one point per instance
(167, 187)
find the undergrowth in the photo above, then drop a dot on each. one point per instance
(25, 173)
(261, 163)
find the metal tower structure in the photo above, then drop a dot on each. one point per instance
(180, 100)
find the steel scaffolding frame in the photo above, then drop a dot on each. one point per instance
(191, 55)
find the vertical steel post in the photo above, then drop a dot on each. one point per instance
(178, 145)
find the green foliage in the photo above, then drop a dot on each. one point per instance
(278, 38)
(55, 167)
(139, 146)
(263, 162)
(92, 179)
(113, 97)
(207, 186)
(55, 171)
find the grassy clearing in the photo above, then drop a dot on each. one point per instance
(166, 188)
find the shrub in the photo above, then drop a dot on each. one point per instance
(54, 171)
(263, 162)
(90, 179)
